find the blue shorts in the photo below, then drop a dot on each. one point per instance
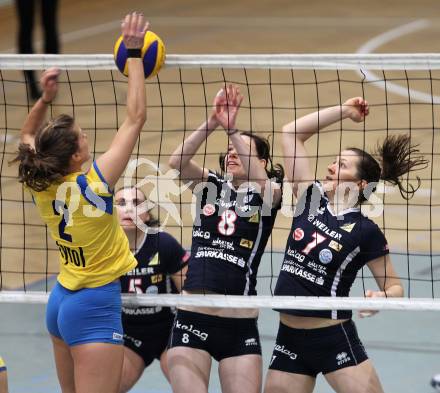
(89, 315)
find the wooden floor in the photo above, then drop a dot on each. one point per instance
(194, 27)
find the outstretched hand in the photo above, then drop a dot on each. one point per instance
(356, 109)
(49, 84)
(226, 106)
(134, 27)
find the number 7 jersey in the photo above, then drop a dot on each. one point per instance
(79, 213)
(325, 251)
(229, 236)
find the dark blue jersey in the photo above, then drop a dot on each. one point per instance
(325, 251)
(230, 233)
(158, 256)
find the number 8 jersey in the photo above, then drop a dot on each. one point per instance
(230, 233)
(325, 251)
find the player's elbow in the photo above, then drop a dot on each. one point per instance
(137, 116)
(295, 134)
(141, 117)
(286, 130)
(137, 121)
(174, 162)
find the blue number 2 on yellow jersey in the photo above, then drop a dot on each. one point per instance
(57, 206)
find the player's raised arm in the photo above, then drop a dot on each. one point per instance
(227, 105)
(113, 162)
(182, 157)
(37, 116)
(296, 133)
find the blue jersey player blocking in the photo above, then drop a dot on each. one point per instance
(233, 222)
(161, 268)
(330, 240)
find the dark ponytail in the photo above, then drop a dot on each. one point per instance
(263, 151)
(55, 144)
(397, 157)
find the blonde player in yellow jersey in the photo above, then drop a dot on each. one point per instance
(84, 309)
(3, 377)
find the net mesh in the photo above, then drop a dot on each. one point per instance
(399, 88)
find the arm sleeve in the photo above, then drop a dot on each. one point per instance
(373, 245)
(171, 253)
(96, 181)
(95, 189)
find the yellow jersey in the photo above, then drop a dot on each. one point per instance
(2, 364)
(81, 218)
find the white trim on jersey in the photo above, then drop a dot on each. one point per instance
(330, 210)
(338, 275)
(343, 212)
(214, 175)
(252, 256)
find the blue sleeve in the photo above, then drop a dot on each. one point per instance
(97, 182)
(373, 244)
(95, 189)
(172, 255)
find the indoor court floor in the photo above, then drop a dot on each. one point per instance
(404, 346)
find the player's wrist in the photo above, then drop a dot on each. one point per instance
(45, 100)
(135, 53)
(231, 131)
(213, 123)
(345, 111)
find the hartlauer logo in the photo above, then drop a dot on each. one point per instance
(208, 209)
(298, 234)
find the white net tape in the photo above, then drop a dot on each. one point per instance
(279, 302)
(399, 61)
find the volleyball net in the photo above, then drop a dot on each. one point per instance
(401, 91)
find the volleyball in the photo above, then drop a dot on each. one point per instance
(153, 54)
(435, 382)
